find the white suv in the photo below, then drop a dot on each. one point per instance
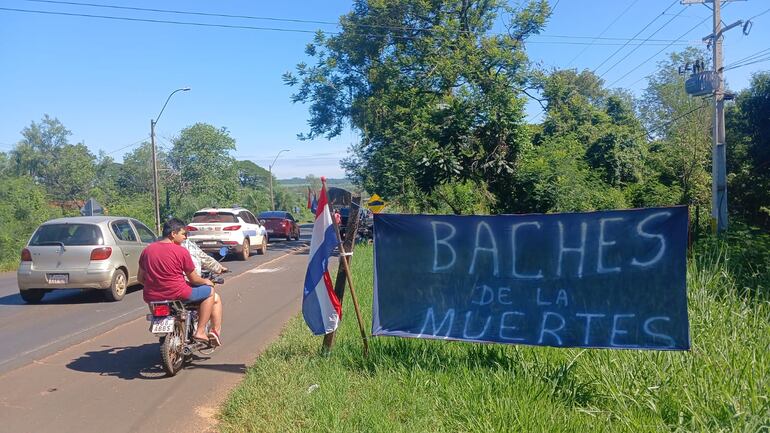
(235, 228)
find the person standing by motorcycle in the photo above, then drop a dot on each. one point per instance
(163, 267)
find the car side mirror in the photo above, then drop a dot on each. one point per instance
(262, 222)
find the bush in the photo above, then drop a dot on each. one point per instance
(23, 206)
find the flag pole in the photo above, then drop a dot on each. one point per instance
(344, 258)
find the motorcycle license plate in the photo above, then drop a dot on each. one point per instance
(162, 325)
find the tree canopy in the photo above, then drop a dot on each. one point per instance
(437, 96)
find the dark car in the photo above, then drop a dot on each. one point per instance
(280, 224)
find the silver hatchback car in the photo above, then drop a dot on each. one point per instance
(96, 252)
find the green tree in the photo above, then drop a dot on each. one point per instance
(554, 176)
(250, 175)
(207, 174)
(437, 96)
(70, 176)
(680, 127)
(23, 206)
(106, 175)
(748, 144)
(37, 149)
(136, 171)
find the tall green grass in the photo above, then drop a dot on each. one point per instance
(409, 385)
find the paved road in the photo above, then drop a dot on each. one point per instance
(107, 377)
(66, 317)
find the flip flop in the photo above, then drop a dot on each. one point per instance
(214, 339)
(205, 341)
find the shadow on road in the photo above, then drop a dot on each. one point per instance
(138, 362)
(133, 362)
(66, 297)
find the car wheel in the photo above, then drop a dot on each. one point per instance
(263, 249)
(246, 250)
(298, 234)
(32, 296)
(118, 286)
(288, 235)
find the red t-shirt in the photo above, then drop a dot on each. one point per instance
(165, 265)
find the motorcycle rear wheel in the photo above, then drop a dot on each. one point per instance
(172, 350)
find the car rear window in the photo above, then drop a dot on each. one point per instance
(272, 214)
(67, 234)
(214, 217)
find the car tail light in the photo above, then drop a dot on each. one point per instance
(191, 229)
(102, 253)
(283, 223)
(160, 310)
(231, 228)
(26, 256)
(230, 243)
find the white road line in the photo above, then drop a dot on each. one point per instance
(264, 270)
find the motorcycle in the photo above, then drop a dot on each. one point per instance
(175, 323)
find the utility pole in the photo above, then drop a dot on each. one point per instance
(154, 122)
(155, 177)
(718, 151)
(270, 175)
(718, 154)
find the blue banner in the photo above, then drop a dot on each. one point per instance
(612, 279)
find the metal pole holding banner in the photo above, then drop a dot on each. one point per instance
(346, 266)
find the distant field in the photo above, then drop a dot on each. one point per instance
(298, 182)
(408, 385)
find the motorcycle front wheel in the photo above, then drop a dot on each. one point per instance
(172, 350)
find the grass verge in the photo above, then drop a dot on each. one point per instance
(409, 385)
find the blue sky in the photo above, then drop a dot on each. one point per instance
(104, 79)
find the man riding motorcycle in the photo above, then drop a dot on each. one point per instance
(163, 267)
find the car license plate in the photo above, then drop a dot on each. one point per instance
(162, 325)
(270, 231)
(58, 278)
(209, 243)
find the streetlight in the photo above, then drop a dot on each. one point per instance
(270, 170)
(154, 122)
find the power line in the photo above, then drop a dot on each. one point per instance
(764, 59)
(612, 38)
(670, 122)
(653, 33)
(759, 14)
(126, 146)
(147, 20)
(747, 58)
(637, 34)
(178, 12)
(280, 29)
(654, 55)
(602, 32)
(266, 18)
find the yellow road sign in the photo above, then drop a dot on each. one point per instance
(376, 204)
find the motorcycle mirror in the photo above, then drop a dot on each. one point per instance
(223, 251)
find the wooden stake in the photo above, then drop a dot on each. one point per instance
(344, 260)
(351, 230)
